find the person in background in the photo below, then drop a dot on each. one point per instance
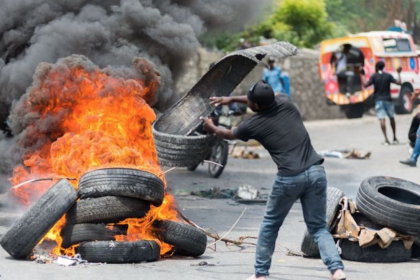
(414, 129)
(278, 126)
(286, 82)
(339, 61)
(384, 105)
(273, 76)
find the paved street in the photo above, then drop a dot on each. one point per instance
(220, 214)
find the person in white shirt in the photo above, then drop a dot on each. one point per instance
(339, 61)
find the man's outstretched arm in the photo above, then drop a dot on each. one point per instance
(219, 131)
(226, 100)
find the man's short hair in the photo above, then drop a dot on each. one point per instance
(380, 65)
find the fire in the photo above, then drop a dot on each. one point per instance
(85, 119)
(143, 228)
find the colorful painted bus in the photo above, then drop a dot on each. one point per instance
(394, 48)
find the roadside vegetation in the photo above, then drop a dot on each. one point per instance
(307, 22)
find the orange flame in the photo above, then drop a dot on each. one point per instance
(99, 121)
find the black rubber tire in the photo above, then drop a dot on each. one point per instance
(119, 252)
(362, 220)
(214, 170)
(404, 104)
(192, 168)
(122, 182)
(354, 111)
(107, 209)
(308, 246)
(205, 140)
(74, 234)
(164, 147)
(187, 240)
(396, 252)
(24, 235)
(374, 200)
(415, 250)
(182, 151)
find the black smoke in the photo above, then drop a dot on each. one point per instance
(111, 33)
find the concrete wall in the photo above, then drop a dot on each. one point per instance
(306, 88)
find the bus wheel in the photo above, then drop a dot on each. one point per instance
(353, 111)
(404, 103)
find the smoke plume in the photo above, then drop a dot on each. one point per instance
(111, 33)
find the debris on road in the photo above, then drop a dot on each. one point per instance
(245, 194)
(217, 238)
(248, 192)
(346, 153)
(203, 264)
(216, 193)
(70, 261)
(245, 154)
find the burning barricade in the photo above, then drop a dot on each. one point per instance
(77, 118)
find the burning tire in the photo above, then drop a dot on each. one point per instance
(309, 247)
(122, 182)
(119, 252)
(391, 202)
(195, 148)
(351, 251)
(107, 209)
(24, 235)
(75, 234)
(187, 240)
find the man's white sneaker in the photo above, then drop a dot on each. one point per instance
(254, 277)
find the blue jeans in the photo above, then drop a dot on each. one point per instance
(311, 187)
(416, 151)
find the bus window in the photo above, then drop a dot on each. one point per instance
(397, 45)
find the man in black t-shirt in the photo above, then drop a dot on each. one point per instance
(384, 106)
(278, 126)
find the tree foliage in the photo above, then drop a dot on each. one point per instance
(306, 20)
(301, 22)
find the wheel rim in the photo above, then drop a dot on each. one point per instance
(216, 156)
(408, 104)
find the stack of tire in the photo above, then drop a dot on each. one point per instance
(105, 196)
(382, 202)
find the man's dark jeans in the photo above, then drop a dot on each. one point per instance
(311, 187)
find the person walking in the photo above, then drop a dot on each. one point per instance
(278, 126)
(384, 106)
(273, 76)
(412, 161)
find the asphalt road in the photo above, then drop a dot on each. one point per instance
(220, 214)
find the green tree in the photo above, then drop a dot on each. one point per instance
(304, 19)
